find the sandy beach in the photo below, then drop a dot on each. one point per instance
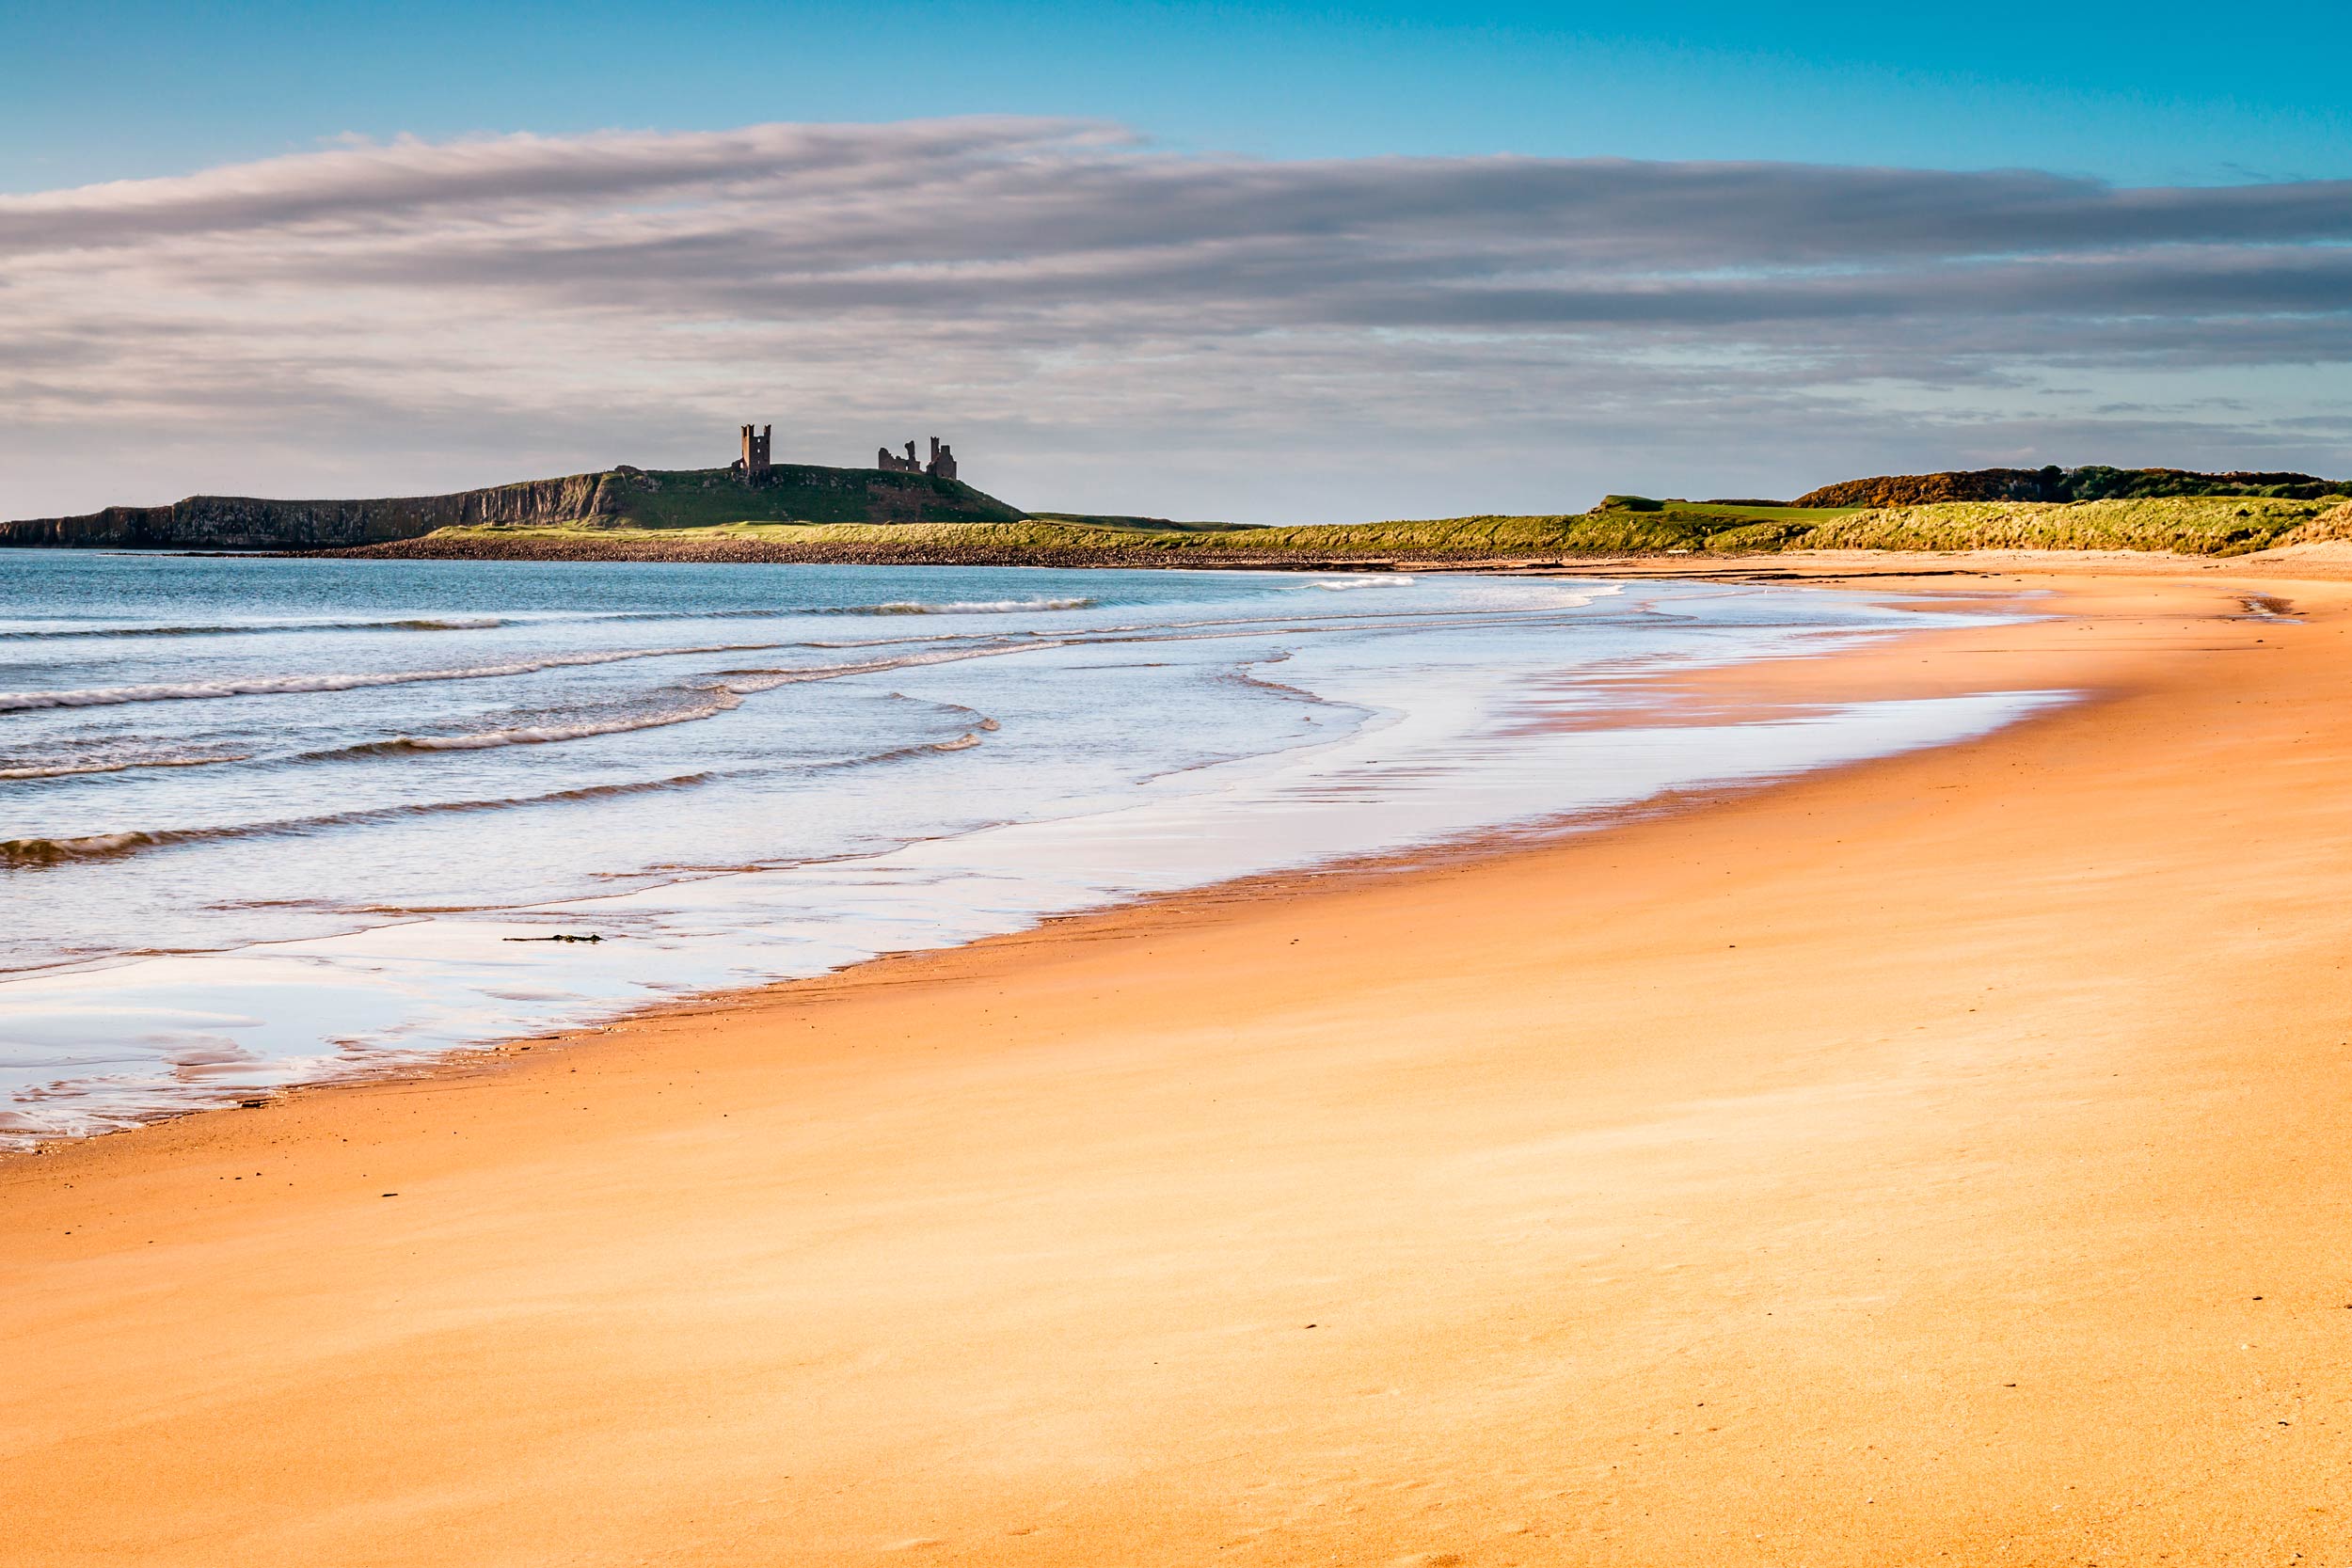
(1935, 1160)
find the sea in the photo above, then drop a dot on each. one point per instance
(270, 822)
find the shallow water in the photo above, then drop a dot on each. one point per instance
(268, 821)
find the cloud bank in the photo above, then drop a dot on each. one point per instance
(1100, 324)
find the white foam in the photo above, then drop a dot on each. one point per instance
(747, 681)
(721, 700)
(264, 685)
(965, 607)
(407, 992)
(22, 853)
(1341, 585)
(244, 628)
(73, 769)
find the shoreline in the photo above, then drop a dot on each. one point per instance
(2323, 561)
(1461, 763)
(1507, 1132)
(2329, 561)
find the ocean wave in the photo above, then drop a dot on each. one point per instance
(841, 642)
(74, 769)
(959, 607)
(44, 632)
(720, 700)
(269, 685)
(909, 752)
(746, 682)
(1299, 620)
(22, 854)
(1341, 585)
(230, 629)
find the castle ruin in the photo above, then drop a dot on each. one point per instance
(941, 465)
(757, 461)
(759, 442)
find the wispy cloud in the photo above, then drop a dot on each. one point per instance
(1102, 323)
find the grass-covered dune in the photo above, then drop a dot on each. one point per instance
(2188, 525)
(1056, 541)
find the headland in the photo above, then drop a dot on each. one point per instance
(625, 499)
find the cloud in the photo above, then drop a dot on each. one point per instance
(1100, 323)
(406, 180)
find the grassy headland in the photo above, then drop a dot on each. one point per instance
(798, 493)
(623, 497)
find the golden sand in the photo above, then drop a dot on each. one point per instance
(1939, 1159)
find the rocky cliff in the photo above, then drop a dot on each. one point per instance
(249, 523)
(622, 497)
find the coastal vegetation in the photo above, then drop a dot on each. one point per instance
(2092, 482)
(2184, 525)
(806, 513)
(2187, 525)
(801, 493)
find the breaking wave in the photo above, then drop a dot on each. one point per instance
(33, 853)
(746, 682)
(264, 685)
(414, 623)
(74, 769)
(719, 700)
(960, 607)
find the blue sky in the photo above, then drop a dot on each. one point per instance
(1272, 263)
(2156, 93)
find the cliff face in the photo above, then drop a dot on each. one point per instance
(630, 497)
(247, 523)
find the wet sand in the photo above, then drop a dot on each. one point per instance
(1939, 1159)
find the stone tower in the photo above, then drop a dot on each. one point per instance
(941, 465)
(758, 442)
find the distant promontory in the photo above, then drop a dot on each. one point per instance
(621, 497)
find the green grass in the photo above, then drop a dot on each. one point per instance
(1766, 513)
(2187, 525)
(1480, 538)
(1736, 509)
(2192, 525)
(1587, 533)
(1136, 524)
(965, 536)
(709, 498)
(1675, 526)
